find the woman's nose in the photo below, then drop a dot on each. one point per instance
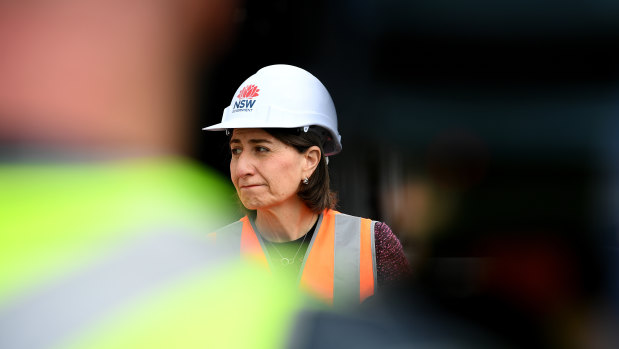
(243, 165)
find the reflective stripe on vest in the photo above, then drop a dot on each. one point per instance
(339, 265)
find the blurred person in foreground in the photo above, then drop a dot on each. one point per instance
(102, 221)
(282, 126)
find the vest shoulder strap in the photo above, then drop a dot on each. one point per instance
(341, 266)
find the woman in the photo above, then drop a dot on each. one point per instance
(282, 126)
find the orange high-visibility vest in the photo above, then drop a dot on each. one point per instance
(340, 263)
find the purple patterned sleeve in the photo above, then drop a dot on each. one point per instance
(391, 263)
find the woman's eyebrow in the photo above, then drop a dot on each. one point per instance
(252, 141)
(259, 141)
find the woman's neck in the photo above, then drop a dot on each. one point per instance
(286, 222)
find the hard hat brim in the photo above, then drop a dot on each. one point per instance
(263, 118)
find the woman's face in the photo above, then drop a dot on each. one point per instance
(264, 171)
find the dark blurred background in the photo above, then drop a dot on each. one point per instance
(484, 133)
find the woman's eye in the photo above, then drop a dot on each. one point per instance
(262, 149)
(235, 151)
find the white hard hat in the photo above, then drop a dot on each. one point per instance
(283, 96)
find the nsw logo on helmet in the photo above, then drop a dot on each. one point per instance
(246, 98)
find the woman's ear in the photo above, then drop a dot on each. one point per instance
(312, 158)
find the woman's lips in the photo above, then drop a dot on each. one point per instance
(249, 186)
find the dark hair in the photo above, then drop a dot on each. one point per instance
(316, 194)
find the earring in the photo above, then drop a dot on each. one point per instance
(305, 180)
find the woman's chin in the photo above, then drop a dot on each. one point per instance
(252, 205)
